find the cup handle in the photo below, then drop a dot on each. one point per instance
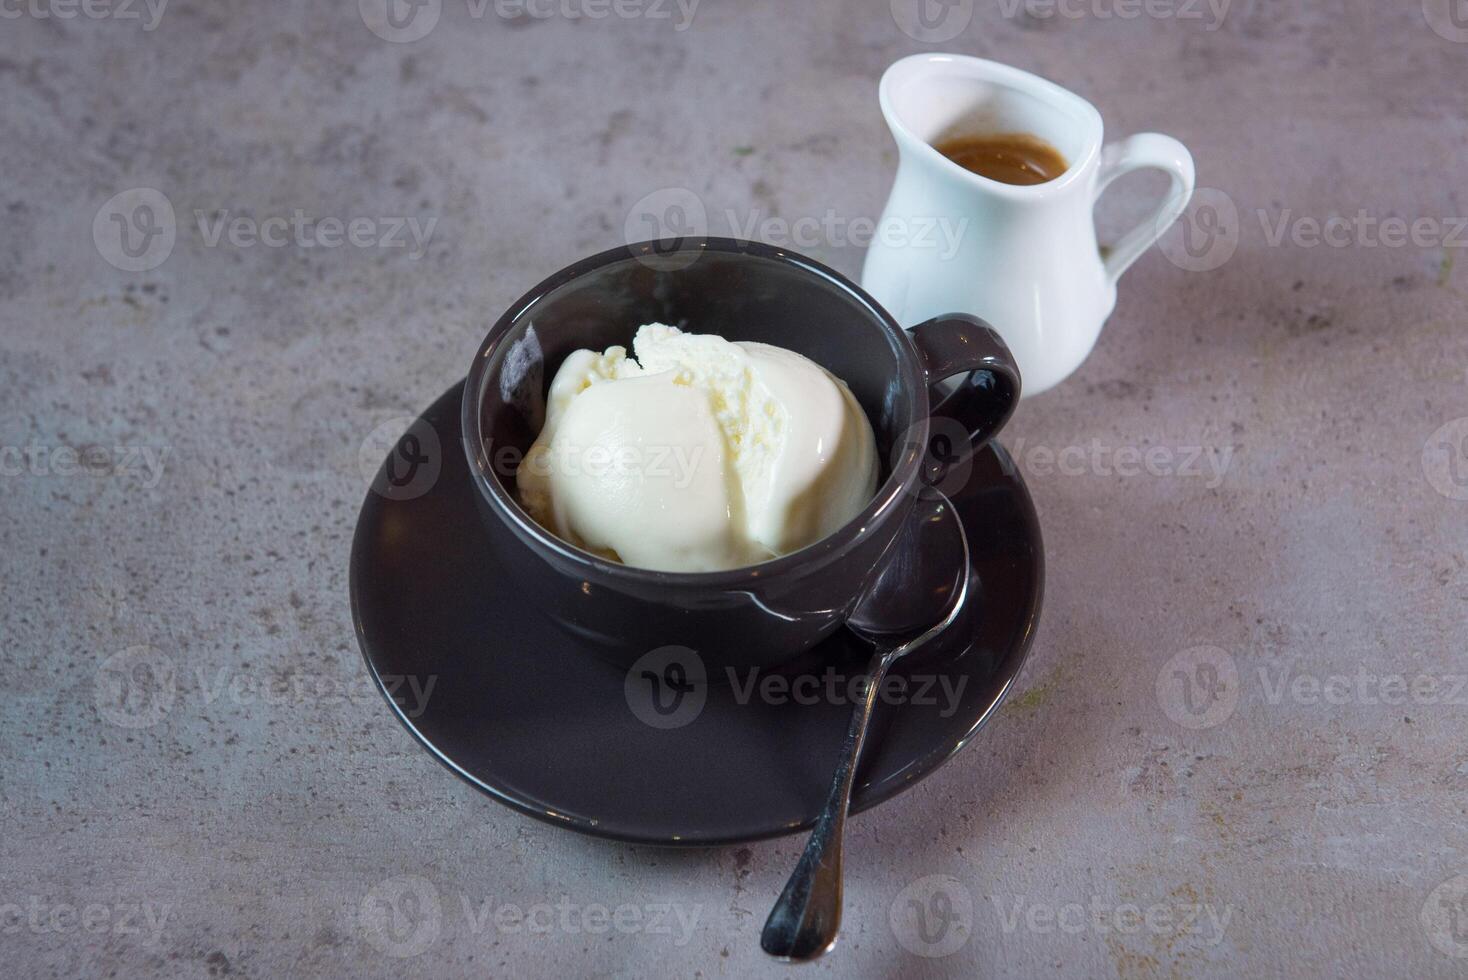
(1145, 150)
(961, 344)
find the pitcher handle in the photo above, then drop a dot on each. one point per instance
(1146, 150)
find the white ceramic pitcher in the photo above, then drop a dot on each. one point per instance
(1025, 258)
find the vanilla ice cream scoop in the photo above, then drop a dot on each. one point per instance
(699, 455)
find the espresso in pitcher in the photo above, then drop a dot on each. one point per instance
(1010, 158)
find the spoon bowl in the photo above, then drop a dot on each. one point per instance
(927, 564)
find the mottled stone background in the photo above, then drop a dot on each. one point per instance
(1246, 693)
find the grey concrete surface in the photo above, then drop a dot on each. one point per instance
(1238, 748)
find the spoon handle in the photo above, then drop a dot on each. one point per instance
(807, 917)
